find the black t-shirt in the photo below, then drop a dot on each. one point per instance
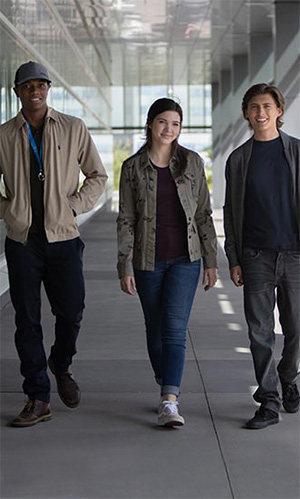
(171, 226)
(270, 215)
(36, 186)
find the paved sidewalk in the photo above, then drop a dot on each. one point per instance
(110, 447)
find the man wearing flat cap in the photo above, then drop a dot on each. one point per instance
(41, 154)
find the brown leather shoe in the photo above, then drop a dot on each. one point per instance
(34, 412)
(67, 388)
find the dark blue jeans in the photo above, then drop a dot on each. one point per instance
(167, 295)
(59, 267)
(266, 272)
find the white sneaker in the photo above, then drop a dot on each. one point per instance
(168, 414)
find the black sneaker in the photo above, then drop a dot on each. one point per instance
(263, 417)
(290, 397)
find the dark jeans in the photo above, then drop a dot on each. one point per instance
(59, 267)
(167, 295)
(264, 273)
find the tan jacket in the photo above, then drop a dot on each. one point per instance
(67, 148)
(137, 213)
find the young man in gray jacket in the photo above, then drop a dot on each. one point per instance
(41, 154)
(261, 220)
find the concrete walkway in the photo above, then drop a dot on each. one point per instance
(110, 447)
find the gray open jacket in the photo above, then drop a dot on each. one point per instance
(236, 173)
(137, 213)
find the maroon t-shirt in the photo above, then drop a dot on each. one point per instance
(171, 226)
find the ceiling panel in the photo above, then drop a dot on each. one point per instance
(133, 42)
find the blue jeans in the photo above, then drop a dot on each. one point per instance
(264, 273)
(59, 267)
(166, 296)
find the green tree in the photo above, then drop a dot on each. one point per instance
(208, 167)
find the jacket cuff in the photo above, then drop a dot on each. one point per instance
(233, 262)
(210, 262)
(125, 269)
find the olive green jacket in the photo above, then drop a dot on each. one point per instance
(136, 222)
(67, 148)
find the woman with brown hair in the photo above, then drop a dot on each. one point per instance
(164, 229)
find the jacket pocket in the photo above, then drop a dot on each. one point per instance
(70, 208)
(251, 253)
(192, 185)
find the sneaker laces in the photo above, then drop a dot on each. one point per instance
(28, 406)
(290, 391)
(170, 406)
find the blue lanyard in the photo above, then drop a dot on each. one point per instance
(38, 154)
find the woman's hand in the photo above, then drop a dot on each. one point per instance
(210, 278)
(128, 284)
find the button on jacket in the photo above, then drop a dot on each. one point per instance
(137, 212)
(67, 147)
(236, 174)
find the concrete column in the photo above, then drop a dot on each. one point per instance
(287, 60)
(226, 124)
(240, 83)
(222, 133)
(217, 167)
(261, 60)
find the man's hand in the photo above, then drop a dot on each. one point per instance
(128, 284)
(236, 275)
(210, 278)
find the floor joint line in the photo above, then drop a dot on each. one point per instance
(211, 417)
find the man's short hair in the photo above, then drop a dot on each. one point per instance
(261, 89)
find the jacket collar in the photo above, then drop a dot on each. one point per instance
(247, 151)
(285, 139)
(50, 114)
(145, 161)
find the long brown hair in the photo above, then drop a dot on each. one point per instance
(160, 106)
